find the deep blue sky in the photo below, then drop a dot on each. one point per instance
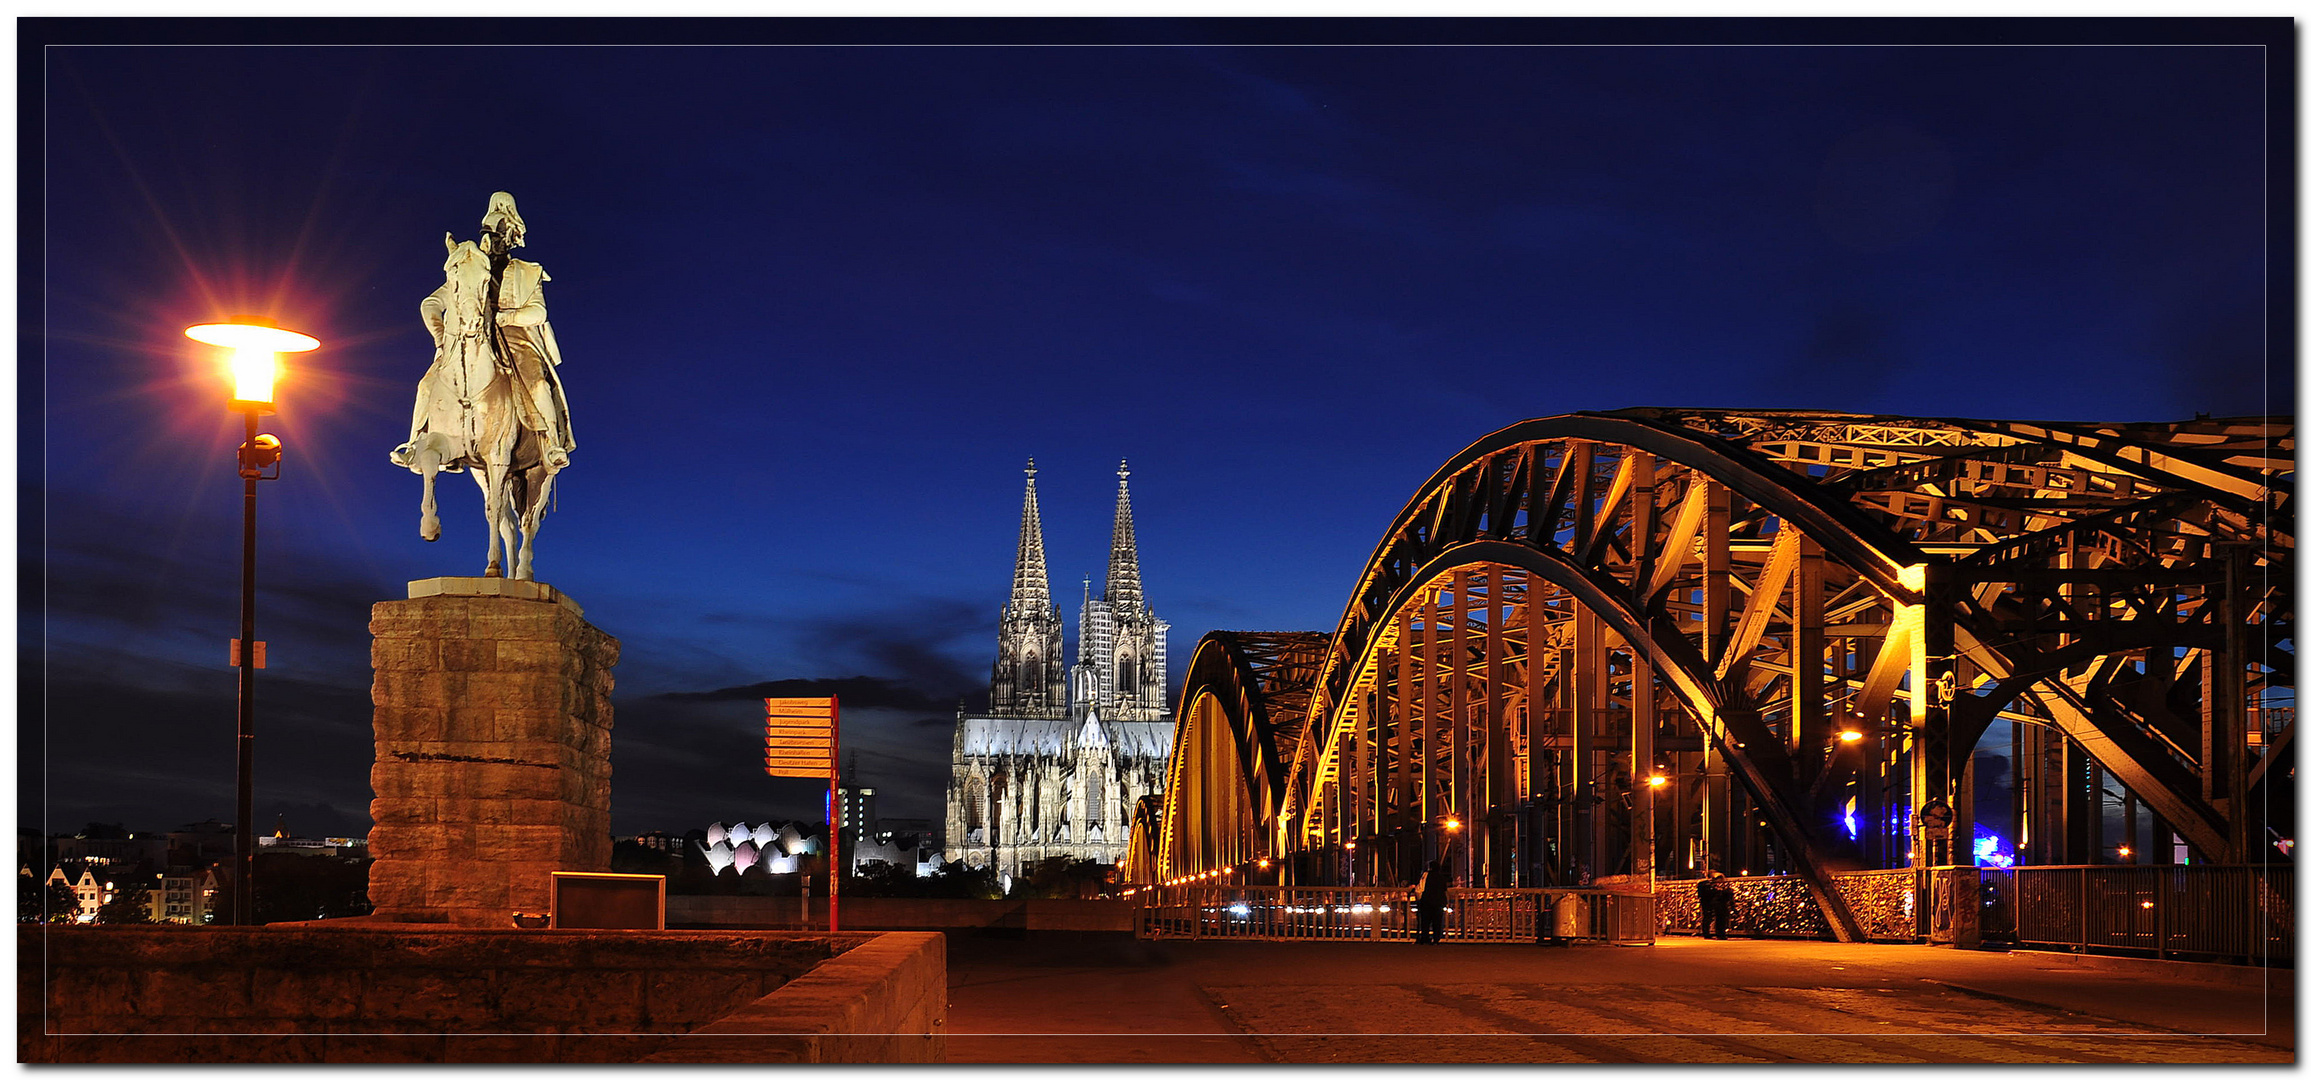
(819, 305)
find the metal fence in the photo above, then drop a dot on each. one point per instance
(1324, 913)
(2188, 912)
(2241, 913)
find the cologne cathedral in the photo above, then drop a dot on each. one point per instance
(1055, 766)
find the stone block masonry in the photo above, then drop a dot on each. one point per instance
(354, 991)
(493, 751)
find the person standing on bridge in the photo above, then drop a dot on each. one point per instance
(1716, 896)
(1430, 905)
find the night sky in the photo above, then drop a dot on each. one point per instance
(819, 305)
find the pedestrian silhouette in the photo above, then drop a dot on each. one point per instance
(1716, 896)
(1431, 903)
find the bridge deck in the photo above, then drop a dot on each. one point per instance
(1107, 998)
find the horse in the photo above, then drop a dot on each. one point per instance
(473, 422)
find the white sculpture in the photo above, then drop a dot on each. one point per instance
(492, 401)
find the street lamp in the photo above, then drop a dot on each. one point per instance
(256, 344)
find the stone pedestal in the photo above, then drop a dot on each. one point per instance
(493, 749)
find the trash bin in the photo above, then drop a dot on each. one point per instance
(1571, 917)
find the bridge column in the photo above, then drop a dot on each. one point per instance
(1933, 682)
(1405, 827)
(1588, 701)
(1718, 824)
(1809, 719)
(1424, 723)
(1459, 736)
(1644, 795)
(1499, 754)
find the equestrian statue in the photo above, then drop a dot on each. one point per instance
(492, 403)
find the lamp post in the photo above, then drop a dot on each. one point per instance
(255, 345)
(1653, 785)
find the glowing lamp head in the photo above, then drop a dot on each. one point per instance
(1452, 824)
(254, 371)
(1656, 780)
(255, 343)
(1263, 864)
(1849, 735)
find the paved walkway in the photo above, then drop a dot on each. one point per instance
(1107, 998)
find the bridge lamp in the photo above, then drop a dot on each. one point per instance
(256, 344)
(1452, 824)
(1849, 735)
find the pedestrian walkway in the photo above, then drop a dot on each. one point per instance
(1109, 998)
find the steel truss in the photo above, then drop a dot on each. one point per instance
(1802, 623)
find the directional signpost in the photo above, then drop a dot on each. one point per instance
(800, 740)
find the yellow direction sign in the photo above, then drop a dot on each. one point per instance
(799, 737)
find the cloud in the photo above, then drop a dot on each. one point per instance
(857, 691)
(160, 750)
(916, 645)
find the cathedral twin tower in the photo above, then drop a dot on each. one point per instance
(1055, 766)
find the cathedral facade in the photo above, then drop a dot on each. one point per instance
(1063, 753)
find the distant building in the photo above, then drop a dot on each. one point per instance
(659, 841)
(184, 895)
(1055, 766)
(914, 852)
(112, 846)
(87, 892)
(857, 812)
(775, 849)
(281, 842)
(200, 843)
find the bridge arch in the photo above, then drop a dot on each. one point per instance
(1243, 707)
(1742, 604)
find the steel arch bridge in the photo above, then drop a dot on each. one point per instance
(1662, 640)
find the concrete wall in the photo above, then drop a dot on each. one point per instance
(893, 913)
(349, 992)
(885, 1001)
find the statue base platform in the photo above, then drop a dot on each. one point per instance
(492, 586)
(492, 730)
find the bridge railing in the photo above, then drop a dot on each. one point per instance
(2186, 912)
(1331, 913)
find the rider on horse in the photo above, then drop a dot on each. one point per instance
(521, 339)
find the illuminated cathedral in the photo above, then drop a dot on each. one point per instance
(1062, 754)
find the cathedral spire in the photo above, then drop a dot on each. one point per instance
(1123, 551)
(1030, 584)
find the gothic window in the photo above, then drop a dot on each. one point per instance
(974, 802)
(1094, 806)
(1126, 675)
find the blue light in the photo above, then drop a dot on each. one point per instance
(1991, 850)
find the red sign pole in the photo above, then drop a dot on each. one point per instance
(796, 732)
(834, 826)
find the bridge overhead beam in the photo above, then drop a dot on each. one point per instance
(1768, 581)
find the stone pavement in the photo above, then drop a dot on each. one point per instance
(1106, 998)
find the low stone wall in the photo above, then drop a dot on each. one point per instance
(351, 992)
(885, 1001)
(896, 913)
